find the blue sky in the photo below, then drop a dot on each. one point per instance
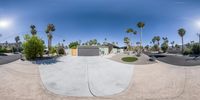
(89, 19)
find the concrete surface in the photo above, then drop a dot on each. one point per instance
(160, 81)
(85, 76)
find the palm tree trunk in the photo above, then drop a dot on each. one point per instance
(182, 45)
(140, 40)
(141, 37)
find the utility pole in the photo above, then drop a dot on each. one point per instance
(198, 34)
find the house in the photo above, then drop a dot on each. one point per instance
(88, 51)
(113, 48)
(104, 49)
(95, 50)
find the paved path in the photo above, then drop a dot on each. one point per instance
(9, 58)
(85, 76)
(21, 81)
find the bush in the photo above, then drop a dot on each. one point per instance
(5, 50)
(164, 47)
(196, 49)
(61, 51)
(33, 47)
(155, 48)
(53, 50)
(187, 51)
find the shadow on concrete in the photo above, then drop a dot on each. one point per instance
(46, 60)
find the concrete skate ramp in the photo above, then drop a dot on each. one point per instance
(85, 76)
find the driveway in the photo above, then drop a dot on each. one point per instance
(9, 58)
(85, 76)
(21, 80)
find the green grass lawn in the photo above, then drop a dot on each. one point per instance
(129, 59)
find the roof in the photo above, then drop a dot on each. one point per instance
(88, 47)
(109, 44)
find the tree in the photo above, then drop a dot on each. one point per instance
(147, 47)
(17, 39)
(74, 45)
(181, 33)
(141, 26)
(131, 31)
(105, 41)
(164, 45)
(49, 30)
(33, 47)
(33, 30)
(94, 41)
(165, 39)
(158, 40)
(154, 40)
(127, 41)
(177, 46)
(172, 43)
(6, 46)
(196, 49)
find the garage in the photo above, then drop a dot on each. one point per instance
(88, 51)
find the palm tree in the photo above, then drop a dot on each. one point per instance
(49, 30)
(131, 31)
(33, 31)
(158, 40)
(141, 26)
(6, 44)
(172, 43)
(127, 41)
(94, 41)
(181, 33)
(105, 41)
(17, 42)
(116, 43)
(165, 39)
(153, 40)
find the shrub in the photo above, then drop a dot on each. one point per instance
(53, 50)
(196, 48)
(164, 47)
(187, 51)
(5, 50)
(33, 47)
(155, 48)
(61, 51)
